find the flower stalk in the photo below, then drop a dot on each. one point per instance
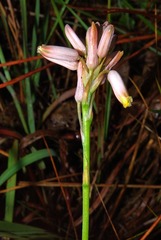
(86, 126)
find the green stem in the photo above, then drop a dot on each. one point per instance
(86, 124)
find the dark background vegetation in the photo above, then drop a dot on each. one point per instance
(125, 147)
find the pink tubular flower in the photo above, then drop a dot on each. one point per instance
(119, 88)
(93, 62)
(66, 57)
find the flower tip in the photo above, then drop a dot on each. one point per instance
(39, 49)
(126, 101)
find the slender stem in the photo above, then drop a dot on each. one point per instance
(86, 124)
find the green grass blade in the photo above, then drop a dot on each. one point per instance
(61, 12)
(83, 24)
(35, 27)
(158, 85)
(45, 26)
(146, 21)
(5, 24)
(18, 231)
(27, 84)
(12, 92)
(36, 77)
(11, 183)
(23, 9)
(23, 162)
(107, 110)
(58, 15)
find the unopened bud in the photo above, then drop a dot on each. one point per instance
(92, 41)
(105, 41)
(114, 59)
(74, 39)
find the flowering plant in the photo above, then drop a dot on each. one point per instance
(93, 62)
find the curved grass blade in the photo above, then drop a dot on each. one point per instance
(25, 161)
(27, 85)
(17, 231)
(11, 183)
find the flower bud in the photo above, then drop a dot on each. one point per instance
(91, 41)
(105, 41)
(114, 59)
(119, 88)
(74, 40)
